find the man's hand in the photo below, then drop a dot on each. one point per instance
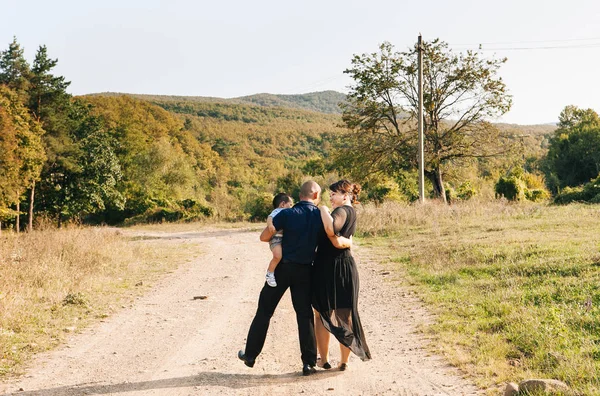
(325, 209)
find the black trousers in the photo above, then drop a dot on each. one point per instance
(296, 277)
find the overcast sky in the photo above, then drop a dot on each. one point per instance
(235, 48)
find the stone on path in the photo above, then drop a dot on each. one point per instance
(543, 385)
(512, 389)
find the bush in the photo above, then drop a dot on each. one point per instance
(519, 185)
(511, 188)
(194, 207)
(590, 192)
(537, 195)
(260, 206)
(466, 191)
(451, 195)
(569, 194)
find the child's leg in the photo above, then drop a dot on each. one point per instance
(277, 254)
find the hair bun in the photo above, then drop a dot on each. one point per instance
(355, 192)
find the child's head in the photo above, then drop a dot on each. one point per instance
(282, 200)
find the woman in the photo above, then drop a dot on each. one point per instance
(335, 279)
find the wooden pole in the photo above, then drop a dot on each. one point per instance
(421, 158)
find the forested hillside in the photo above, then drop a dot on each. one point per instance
(111, 158)
(322, 102)
(229, 158)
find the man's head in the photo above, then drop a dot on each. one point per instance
(282, 200)
(310, 191)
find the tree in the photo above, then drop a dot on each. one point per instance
(461, 92)
(574, 152)
(48, 102)
(82, 170)
(14, 70)
(21, 151)
(9, 163)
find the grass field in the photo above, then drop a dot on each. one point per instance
(515, 288)
(54, 282)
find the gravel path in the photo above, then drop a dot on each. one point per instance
(168, 343)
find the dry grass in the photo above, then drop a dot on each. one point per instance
(516, 288)
(57, 281)
(194, 226)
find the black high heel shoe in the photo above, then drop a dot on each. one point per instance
(343, 366)
(325, 365)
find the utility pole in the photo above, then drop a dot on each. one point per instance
(421, 158)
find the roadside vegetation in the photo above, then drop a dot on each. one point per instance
(509, 262)
(515, 288)
(55, 282)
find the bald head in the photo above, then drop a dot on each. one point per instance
(310, 191)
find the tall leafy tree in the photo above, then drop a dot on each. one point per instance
(9, 162)
(15, 72)
(49, 103)
(82, 170)
(574, 153)
(461, 92)
(22, 153)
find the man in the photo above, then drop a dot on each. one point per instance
(302, 229)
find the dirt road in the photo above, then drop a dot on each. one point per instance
(168, 343)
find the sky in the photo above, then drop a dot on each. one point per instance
(231, 48)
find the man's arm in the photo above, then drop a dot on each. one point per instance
(327, 221)
(267, 234)
(270, 224)
(340, 242)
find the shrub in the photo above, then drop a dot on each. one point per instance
(511, 188)
(260, 206)
(569, 194)
(590, 192)
(537, 195)
(519, 185)
(466, 191)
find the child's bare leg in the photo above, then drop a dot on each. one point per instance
(277, 254)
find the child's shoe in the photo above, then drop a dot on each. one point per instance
(271, 279)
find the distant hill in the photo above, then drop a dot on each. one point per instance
(322, 102)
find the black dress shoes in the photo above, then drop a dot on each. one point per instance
(307, 369)
(248, 362)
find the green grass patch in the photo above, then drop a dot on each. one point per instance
(515, 288)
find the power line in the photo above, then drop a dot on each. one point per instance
(595, 45)
(581, 43)
(529, 42)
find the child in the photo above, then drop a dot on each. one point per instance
(280, 202)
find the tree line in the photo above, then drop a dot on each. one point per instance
(121, 159)
(114, 159)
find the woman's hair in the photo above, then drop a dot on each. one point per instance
(279, 198)
(345, 187)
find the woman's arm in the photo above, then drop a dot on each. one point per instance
(327, 221)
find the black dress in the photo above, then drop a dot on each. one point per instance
(335, 286)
